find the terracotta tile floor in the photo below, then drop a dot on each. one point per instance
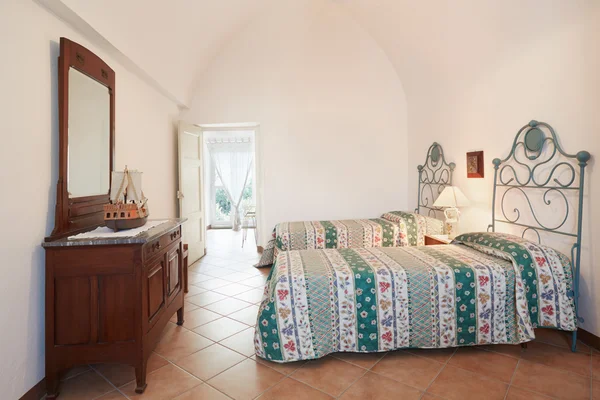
(212, 355)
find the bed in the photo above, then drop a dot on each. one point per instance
(392, 229)
(484, 288)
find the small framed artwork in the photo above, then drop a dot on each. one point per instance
(475, 164)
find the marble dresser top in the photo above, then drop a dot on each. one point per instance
(144, 237)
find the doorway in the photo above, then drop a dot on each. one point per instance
(221, 189)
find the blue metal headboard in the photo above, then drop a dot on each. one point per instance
(537, 147)
(434, 175)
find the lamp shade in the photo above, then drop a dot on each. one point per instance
(451, 196)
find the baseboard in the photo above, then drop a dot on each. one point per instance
(260, 249)
(36, 392)
(588, 338)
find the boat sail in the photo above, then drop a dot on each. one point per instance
(127, 208)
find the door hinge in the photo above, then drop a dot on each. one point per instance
(179, 195)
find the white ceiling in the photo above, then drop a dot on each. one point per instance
(429, 42)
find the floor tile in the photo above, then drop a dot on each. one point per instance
(375, 387)
(114, 395)
(246, 315)
(363, 360)
(203, 392)
(237, 276)
(515, 393)
(87, 385)
(72, 372)
(170, 330)
(199, 316)
(551, 381)
(198, 278)
(213, 284)
(227, 306)
(246, 380)
(182, 344)
(215, 261)
(510, 350)
(429, 396)
(558, 357)
(328, 374)
(205, 298)
(291, 389)
(210, 361)
(439, 355)
(219, 272)
(164, 383)
(242, 342)
(193, 290)
(595, 389)
(253, 296)
(258, 281)
(220, 329)
(409, 369)
(559, 338)
(188, 306)
(233, 289)
(458, 384)
(120, 374)
(284, 368)
(493, 365)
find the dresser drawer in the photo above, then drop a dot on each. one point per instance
(157, 246)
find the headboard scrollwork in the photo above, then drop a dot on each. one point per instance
(434, 175)
(537, 168)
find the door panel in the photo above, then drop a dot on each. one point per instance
(173, 265)
(191, 191)
(116, 308)
(73, 297)
(156, 289)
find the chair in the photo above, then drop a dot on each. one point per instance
(249, 221)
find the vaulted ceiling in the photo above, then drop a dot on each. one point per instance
(430, 43)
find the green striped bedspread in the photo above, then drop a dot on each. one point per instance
(486, 288)
(393, 229)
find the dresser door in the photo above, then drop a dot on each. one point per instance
(174, 273)
(154, 296)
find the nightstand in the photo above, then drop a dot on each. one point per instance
(436, 239)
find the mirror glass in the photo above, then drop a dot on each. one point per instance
(89, 136)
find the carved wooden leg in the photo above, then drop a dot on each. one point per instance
(140, 377)
(180, 320)
(52, 381)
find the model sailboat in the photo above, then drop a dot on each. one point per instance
(127, 208)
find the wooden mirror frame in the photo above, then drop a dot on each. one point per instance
(79, 214)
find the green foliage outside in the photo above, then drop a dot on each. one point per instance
(224, 205)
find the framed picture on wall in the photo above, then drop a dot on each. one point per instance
(475, 164)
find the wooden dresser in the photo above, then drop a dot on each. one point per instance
(109, 299)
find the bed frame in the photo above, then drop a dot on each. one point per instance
(434, 175)
(537, 148)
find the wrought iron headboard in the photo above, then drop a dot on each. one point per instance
(434, 175)
(535, 149)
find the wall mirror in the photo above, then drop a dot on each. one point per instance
(86, 99)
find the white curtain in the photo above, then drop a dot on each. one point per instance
(233, 165)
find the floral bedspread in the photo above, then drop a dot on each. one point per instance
(486, 288)
(393, 229)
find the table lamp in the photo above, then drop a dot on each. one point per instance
(451, 198)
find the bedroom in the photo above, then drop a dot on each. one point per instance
(349, 96)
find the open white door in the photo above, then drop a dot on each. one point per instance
(191, 190)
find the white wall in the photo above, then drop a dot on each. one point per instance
(549, 74)
(331, 109)
(29, 159)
